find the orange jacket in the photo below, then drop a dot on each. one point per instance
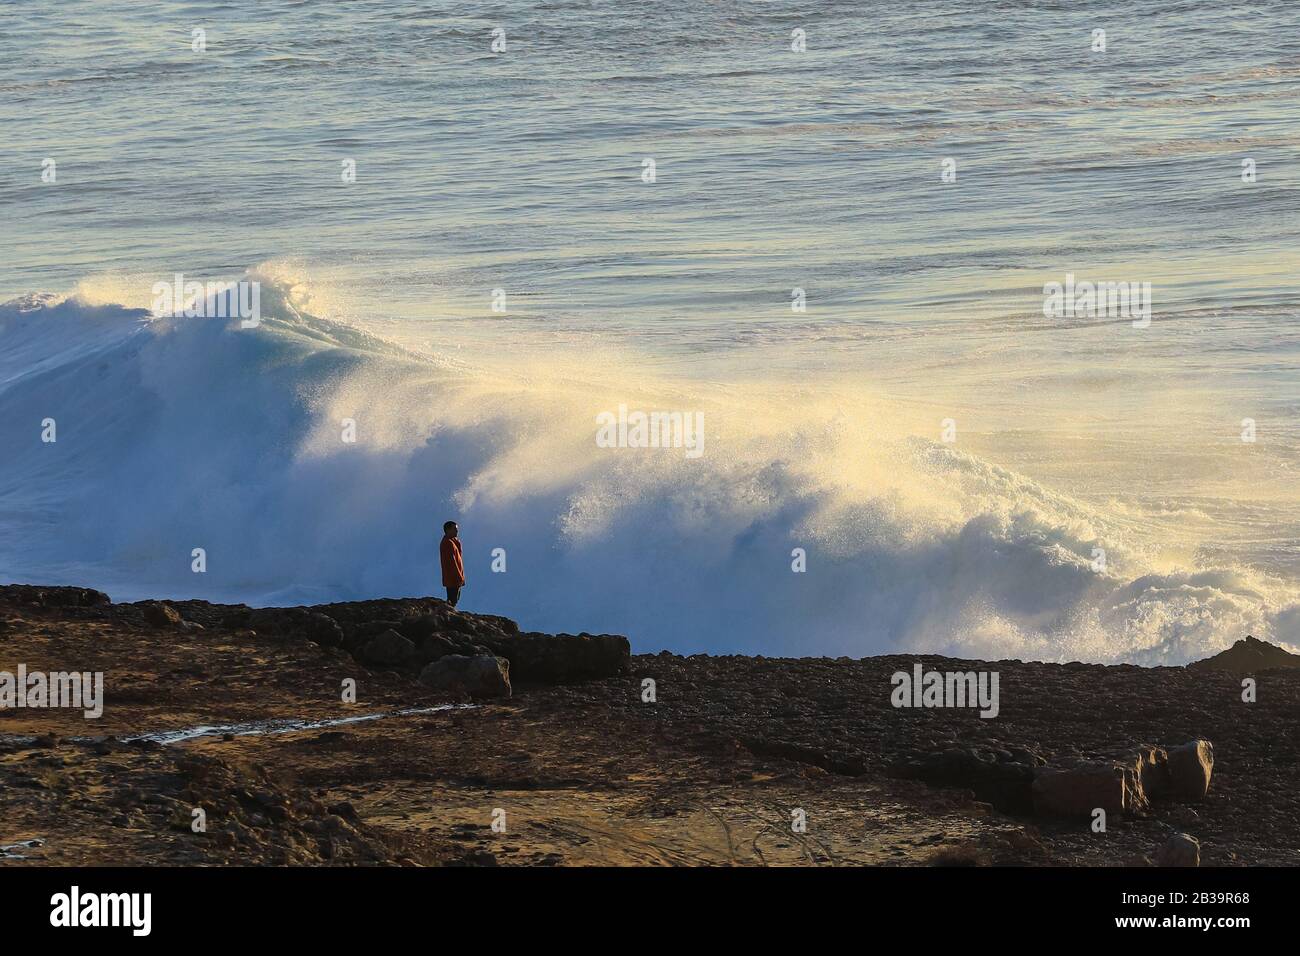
(453, 569)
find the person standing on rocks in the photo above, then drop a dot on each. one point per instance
(453, 568)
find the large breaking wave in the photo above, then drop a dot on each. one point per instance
(175, 434)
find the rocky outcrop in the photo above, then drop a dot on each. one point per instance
(162, 615)
(387, 647)
(435, 630)
(1003, 778)
(294, 622)
(405, 634)
(1247, 656)
(1126, 784)
(560, 658)
(60, 597)
(478, 677)
(1018, 780)
(434, 646)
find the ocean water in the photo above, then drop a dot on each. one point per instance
(962, 473)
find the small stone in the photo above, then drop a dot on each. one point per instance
(1180, 850)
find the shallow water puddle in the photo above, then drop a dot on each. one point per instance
(282, 726)
(250, 728)
(9, 851)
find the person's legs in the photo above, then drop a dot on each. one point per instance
(453, 595)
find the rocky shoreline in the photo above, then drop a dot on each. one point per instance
(599, 756)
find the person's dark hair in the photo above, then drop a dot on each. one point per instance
(447, 526)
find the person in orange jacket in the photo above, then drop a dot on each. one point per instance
(453, 568)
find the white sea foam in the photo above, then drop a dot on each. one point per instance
(175, 434)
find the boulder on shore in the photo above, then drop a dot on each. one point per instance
(1127, 783)
(476, 676)
(1180, 850)
(1190, 767)
(1078, 791)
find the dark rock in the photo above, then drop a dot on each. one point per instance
(1004, 783)
(347, 811)
(1027, 757)
(475, 676)
(368, 629)
(1190, 767)
(387, 648)
(65, 597)
(418, 628)
(1247, 656)
(561, 658)
(1180, 850)
(84, 597)
(1078, 791)
(538, 658)
(162, 615)
(502, 624)
(357, 635)
(1149, 766)
(323, 630)
(433, 647)
(458, 622)
(291, 622)
(271, 620)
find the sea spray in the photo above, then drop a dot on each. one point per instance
(911, 543)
